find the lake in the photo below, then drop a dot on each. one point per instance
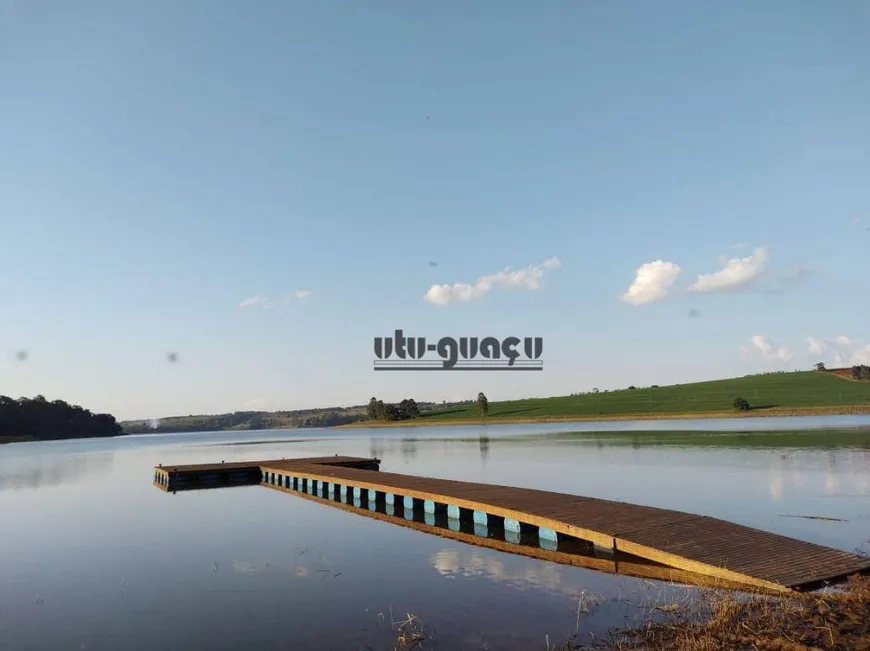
(95, 557)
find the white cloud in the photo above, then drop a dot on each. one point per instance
(816, 346)
(254, 300)
(744, 352)
(266, 302)
(736, 272)
(856, 220)
(526, 278)
(657, 280)
(652, 282)
(841, 351)
(770, 350)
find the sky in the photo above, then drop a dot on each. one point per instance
(664, 192)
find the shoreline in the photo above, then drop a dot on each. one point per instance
(773, 412)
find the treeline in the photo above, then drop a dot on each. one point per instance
(405, 410)
(40, 419)
(247, 420)
(861, 372)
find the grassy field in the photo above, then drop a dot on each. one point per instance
(773, 394)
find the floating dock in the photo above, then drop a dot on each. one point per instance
(726, 552)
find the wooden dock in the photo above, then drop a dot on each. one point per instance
(239, 473)
(696, 544)
(584, 556)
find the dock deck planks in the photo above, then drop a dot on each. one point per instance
(617, 564)
(256, 465)
(685, 541)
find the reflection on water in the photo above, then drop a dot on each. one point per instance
(493, 535)
(469, 563)
(19, 472)
(118, 564)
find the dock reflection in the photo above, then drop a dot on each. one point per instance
(564, 551)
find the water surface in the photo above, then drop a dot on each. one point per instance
(95, 557)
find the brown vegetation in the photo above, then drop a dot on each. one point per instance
(836, 620)
(841, 372)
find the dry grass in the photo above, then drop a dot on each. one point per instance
(718, 620)
(409, 632)
(715, 620)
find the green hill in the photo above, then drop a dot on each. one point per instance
(770, 393)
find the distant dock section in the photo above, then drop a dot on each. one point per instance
(240, 473)
(723, 551)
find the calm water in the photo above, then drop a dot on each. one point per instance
(95, 557)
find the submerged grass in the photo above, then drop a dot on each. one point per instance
(713, 620)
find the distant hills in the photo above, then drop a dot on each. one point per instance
(782, 393)
(254, 420)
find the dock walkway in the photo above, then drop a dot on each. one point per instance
(685, 541)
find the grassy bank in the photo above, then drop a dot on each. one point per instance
(508, 420)
(836, 620)
(807, 393)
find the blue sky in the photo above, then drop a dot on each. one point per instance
(162, 162)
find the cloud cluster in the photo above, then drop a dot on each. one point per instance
(530, 278)
(265, 301)
(841, 351)
(769, 349)
(737, 272)
(836, 352)
(657, 280)
(652, 282)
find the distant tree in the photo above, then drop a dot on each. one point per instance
(406, 409)
(821, 366)
(861, 372)
(740, 404)
(482, 404)
(632, 388)
(391, 412)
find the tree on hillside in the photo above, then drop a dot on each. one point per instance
(821, 366)
(482, 404)
(408, 409)
(405, 410)
(741, 404)
(372, 409)
(861, 372)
